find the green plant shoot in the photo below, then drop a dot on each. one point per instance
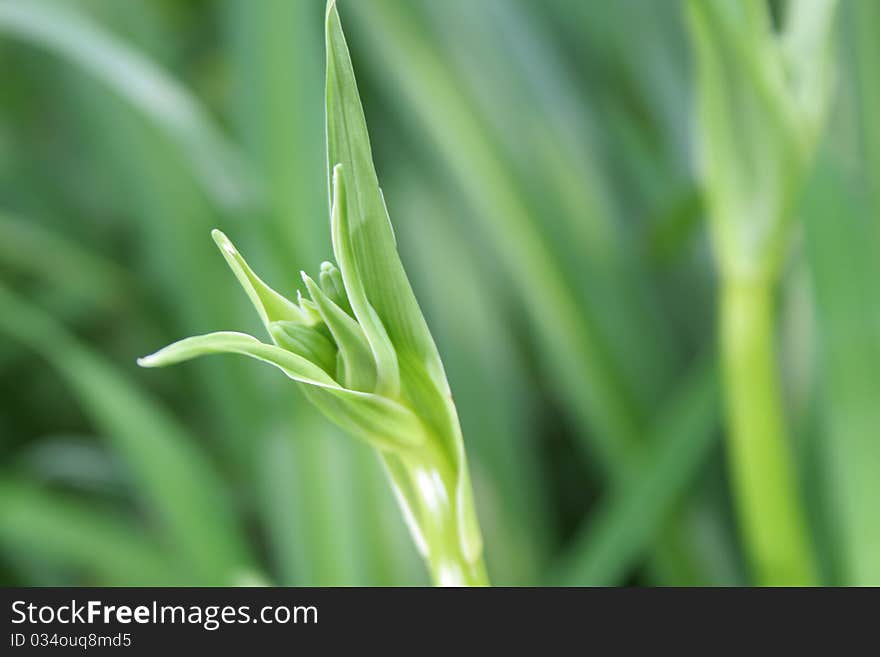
(360, 347)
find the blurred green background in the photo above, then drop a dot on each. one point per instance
(537, 160)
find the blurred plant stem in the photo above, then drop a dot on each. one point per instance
(770, 512)
(763, 93)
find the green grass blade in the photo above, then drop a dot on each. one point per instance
(277, 88)
(526, 96)
(864, 24)
(110, 549)
(68, 32)
(28, 247)
(621, 530)
(179, 487)
(844, 261)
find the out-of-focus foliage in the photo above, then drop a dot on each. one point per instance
(763, 91)
(539, 160)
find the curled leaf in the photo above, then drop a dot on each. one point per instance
(333, 286)
(305, 341)
(359, 371)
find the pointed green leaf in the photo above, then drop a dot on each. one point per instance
(382, 422)
(359, 370)
(333, 286)
(223, 342)
(271, 305)
(366, 252)
(378, 289)
(309, 308)
(363, 241)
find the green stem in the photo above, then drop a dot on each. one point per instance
(765, 485)
(426, 485)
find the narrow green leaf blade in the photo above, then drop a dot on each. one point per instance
(333, 286)
(226, 342)
(383, 422)
(67, 31)
(843, 250)
(180, 488)
(90, 538)
(379, 291)
(270, 305)
(621, 531)
(363, 239)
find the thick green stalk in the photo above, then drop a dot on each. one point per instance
(765, 485)
(431, 481)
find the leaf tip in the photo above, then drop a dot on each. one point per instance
(311, 286)
(223, 242)
(331, 17)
